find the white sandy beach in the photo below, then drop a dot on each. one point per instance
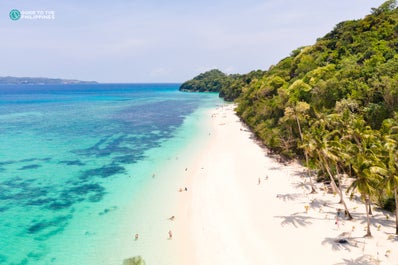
(243, 207)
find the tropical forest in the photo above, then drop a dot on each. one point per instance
(332, 105)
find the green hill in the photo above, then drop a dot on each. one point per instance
(354, 67)
(356, 64)
(334, 103)
(210, 81)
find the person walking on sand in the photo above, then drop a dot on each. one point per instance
(337, 223)
(170, 234)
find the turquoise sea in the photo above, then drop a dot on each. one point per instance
(75, 158)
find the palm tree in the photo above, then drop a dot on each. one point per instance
(364, 163)
(323, 147)
(298, 112)
(391, 179)
(390, 171)
(328, 158)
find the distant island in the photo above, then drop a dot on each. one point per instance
(10, 80)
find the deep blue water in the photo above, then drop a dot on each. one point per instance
(61, 146)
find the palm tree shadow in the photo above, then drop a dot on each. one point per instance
(275, 168)
(302, 185)
(336, 246)
(318, 204)
(376, 220)
(295, 219)
(289, 196)
(380, 218)
(363, 260)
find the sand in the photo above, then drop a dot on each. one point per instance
(243, 207)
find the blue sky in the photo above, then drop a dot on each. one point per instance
(162, 41)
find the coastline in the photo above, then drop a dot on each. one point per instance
(147, 212)
(243, 207)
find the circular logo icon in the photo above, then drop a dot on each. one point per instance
(15, 14)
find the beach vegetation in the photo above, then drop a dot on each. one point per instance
(137, 260)
(210, 81)
(333, 104)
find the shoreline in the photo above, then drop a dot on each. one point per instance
(243, 207)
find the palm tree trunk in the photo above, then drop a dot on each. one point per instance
(306, 158)
(396, 209)
(331, 177)
(370, 207)
(349, 216)
(338, 190)
(347, 213)
(313, 190)
(341, 189)
(368, 233)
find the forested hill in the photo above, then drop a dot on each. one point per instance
(229, 86)
(206, 82)
(353, 68)
(334, 104)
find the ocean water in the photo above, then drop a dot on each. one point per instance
(75, 161)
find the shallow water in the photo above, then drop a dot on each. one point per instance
(74, 157)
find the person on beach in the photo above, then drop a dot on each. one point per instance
(259, 181)
(170, 234)
(337, 223)
(172, 218)
(136, 237)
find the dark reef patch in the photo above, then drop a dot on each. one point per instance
(57, 222)
(103, 172)
(108, 210)
(3, 259)
(86, 188)
(4, 208)
(27, 160)
(60, 204)
(39, 201)
(72, 162)
(106, 146)
(21, 190)
(9, 162)
(34, 166)
(128, 159)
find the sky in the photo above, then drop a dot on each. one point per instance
(155, 41)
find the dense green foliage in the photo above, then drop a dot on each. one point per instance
(228, 86)
(334, 103)
(210, 81)
(355, 65)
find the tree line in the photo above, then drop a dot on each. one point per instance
(334, 104)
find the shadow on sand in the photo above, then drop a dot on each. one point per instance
(363, 260)
(296, 219)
